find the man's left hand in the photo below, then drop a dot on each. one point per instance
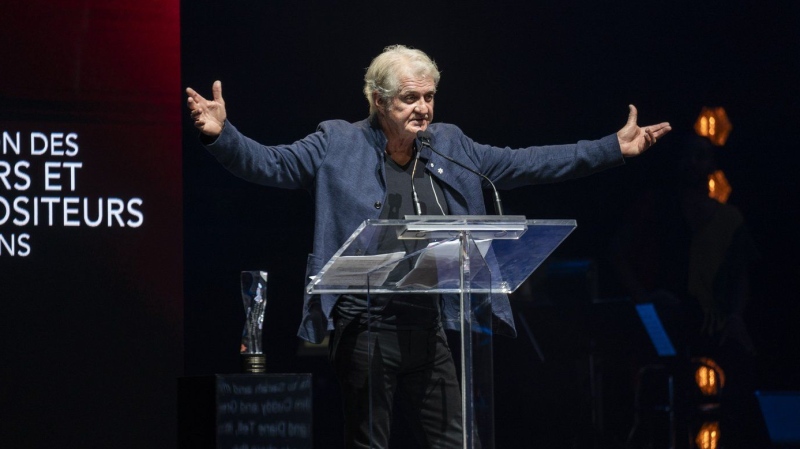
(634, 140)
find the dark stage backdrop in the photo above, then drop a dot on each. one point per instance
(91, 302)
(513, 74)
(93, 215)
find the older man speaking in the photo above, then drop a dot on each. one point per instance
(364, 170)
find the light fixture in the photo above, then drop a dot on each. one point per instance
(713, 123)
(708, 436)
(718, 187)
(708, 376)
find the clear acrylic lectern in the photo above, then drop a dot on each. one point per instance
(466, 259)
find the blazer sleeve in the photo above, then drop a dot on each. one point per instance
(509, 168)
(292, 166)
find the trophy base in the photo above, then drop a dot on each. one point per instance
(253, 363)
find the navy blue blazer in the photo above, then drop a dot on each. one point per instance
(342, 166)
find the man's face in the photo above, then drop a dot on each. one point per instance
(411, 110)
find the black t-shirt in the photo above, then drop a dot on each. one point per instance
(401, 311)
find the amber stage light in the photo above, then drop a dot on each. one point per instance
(718, 187)
(709, 376)
(708, 436)
(714, 124)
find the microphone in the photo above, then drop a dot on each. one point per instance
(425, 138)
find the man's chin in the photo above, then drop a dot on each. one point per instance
(415, 128)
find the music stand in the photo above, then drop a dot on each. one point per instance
(781, 410)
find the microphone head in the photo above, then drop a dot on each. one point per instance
(425, 137)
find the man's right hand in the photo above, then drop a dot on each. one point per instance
(209, 116)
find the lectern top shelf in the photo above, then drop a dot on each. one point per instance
(422, 254)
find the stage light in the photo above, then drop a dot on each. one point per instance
(708, 436)
(710, 378)
(718, 186)
(714, 124)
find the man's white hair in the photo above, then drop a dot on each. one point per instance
(396, 61)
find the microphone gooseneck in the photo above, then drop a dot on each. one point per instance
(414, 197)
(425, 139)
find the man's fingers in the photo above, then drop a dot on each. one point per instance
(205, 113)
(660, 129)
(632, 114)
(216, 90)
(194, 100)
(194, 95)
(663, 129)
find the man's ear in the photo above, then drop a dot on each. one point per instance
(377, 100)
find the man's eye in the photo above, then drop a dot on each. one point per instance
(429, 97)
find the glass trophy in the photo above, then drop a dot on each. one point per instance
(254, 298)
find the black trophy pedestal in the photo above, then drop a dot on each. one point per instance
(228, 411)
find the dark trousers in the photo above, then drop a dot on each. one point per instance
(414, 368)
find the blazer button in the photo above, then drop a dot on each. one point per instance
(378, 204)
